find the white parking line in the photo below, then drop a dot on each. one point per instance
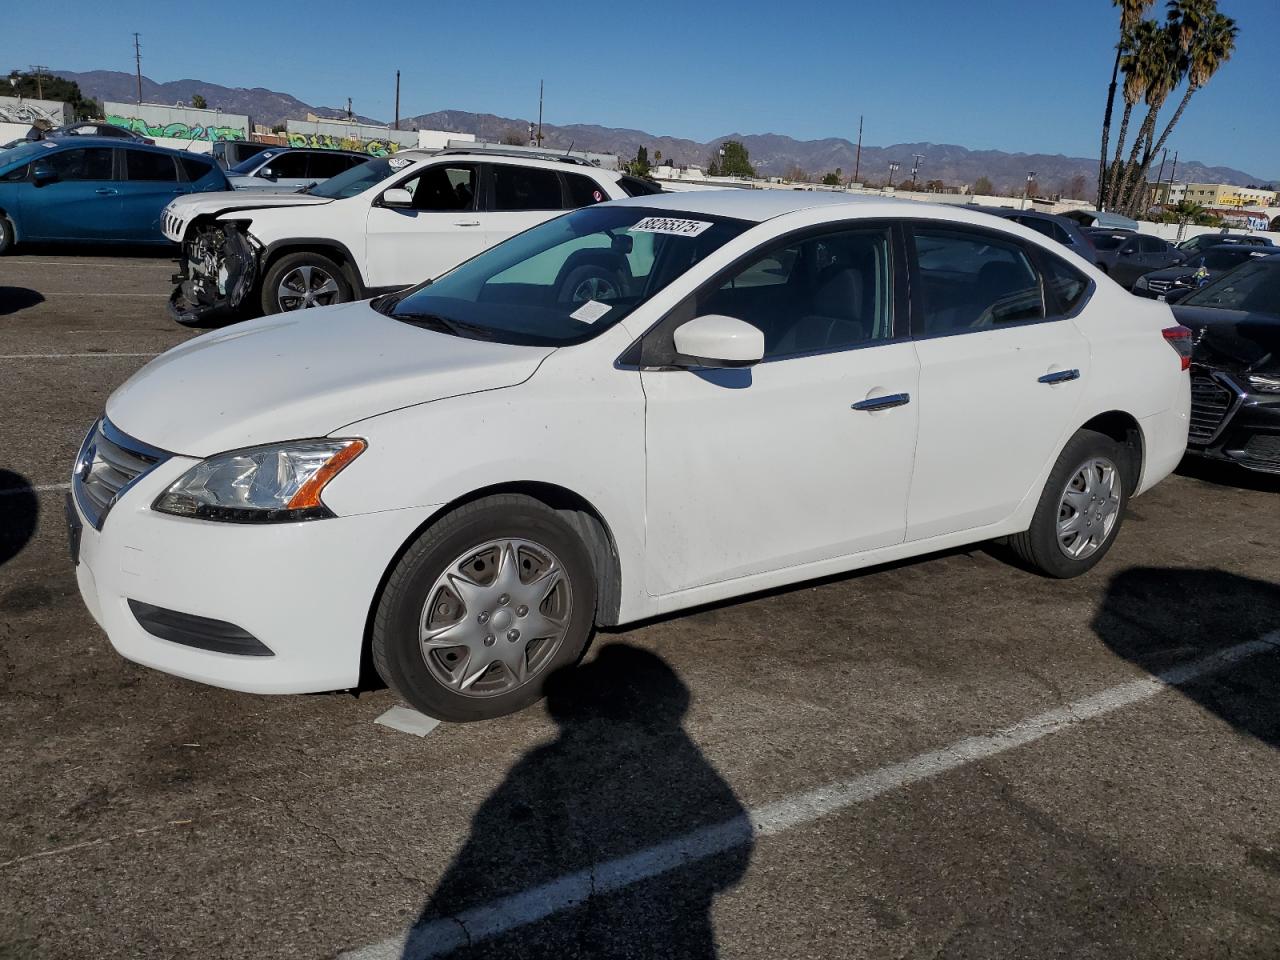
(439, 937)
(82, 293)
(45, 488)
(68, 356)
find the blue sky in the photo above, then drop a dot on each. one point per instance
(1016, 75)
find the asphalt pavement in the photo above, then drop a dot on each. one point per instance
(949, 757)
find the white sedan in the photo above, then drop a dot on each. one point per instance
(631, 409)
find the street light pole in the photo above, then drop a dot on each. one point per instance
(893, 168)
(1026, 191)
(915, 167)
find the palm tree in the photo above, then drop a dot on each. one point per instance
(1208, 48)
(1166, 67)
(1135, 64)
(1131, 12)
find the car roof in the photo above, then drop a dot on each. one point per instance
(119, 143)
(761, 205)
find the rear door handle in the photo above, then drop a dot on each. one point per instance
(1060, 376)
(466, 223)
(104, 192)
(883, 403)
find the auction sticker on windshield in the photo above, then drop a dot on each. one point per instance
(591, 311)
(679, 228)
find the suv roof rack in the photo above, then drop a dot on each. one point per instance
(504, 150)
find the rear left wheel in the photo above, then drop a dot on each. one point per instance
(483, 608)
(6, 235)
(1080, 509)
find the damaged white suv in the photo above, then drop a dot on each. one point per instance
(378, 227)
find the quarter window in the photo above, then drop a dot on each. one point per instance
(89, 163)
(971, 282)
(195, 169)
(1068, 284)
(144, 165)
(525, 188)
(822, 293)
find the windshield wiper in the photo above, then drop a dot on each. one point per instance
(433, 321)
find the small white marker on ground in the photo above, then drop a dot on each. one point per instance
(408, 721)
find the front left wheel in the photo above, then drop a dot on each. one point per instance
(6, 235)
(483, 608)
(299, 281)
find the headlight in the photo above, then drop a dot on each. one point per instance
(269, 484)
(1265, 384)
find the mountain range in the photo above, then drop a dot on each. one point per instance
(771, 153)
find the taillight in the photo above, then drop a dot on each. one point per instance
(1179, 338)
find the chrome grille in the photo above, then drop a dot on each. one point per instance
(1212, 402)
(1159, 286)
(110, 462)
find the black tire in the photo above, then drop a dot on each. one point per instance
(1038, 546)
(295, 261)
(608, 284)
(6, 235)
(395, 651)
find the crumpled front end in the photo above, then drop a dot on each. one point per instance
(218, 269)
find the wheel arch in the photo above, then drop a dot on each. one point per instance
(335, 250)
(586, 520)
(1125, 430)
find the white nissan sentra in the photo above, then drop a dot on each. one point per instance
(634, 408)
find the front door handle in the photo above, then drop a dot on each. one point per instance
(466, 223)
(1060, 376)
(105, 192)
(886, 402)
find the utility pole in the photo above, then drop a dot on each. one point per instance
(137, 63)
(1173, 173)
(1160, 173)
(540, 112)
(38, 69)
(397, 99)
(350, 115)
(915, 168)
(893, 168)
(1026, 191)
(857, 158)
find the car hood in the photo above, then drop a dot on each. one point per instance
(305, 374)
(1173, 273)
(1232, 340)
(183, 210)
(258, 185)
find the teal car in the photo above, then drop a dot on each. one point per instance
(94, 189)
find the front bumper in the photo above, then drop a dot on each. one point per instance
(1238, 425)
(304, 590)
(216, 273)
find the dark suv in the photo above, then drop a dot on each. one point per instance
(1066, 232)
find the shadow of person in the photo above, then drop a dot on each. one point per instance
(561, 859)
(19, 513)
(17, 299)
(1163, 618)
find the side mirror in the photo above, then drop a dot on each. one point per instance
(266, 174)
(397, 197)
(42, 173)
(714, 340)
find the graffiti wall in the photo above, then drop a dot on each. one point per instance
(28, 111)
(336, 135)
(178, 123)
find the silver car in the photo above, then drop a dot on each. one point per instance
(289, 169)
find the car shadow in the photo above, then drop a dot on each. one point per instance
(19, 514)
(560, 862)
(1160, 618)
(1228, 475)
(17, 299)
(154, 251)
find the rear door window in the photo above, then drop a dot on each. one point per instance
(970, 281)
(583, 191)
(286, 166)
(325, 165)
(148, 166)
(525, 188)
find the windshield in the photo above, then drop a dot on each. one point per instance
(250, 164)
(359, 178)
(1108, 242)
(566, 280)
(1252, 286)
(24, 150)
(1225, 259)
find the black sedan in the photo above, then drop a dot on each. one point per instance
(1235, 371)
(1204, 267)
(1204, 241)
(1126, 255)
